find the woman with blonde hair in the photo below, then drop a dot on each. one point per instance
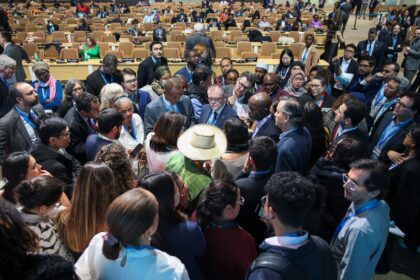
(109, 93)
(93, 192)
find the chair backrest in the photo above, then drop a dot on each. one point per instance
(297, 50)
(103, 48)
(69, 53)
(171, 53)
(59, 36)
(267, 48)
(39, 34)
(126, 48)
(97, 35)
(219, 44)
(148, 26)
(79, 36)
(176, 45)
(140, 53)
(31, 28)
(244, 47)
(118, 54)
(22, 35)
(275, 56)
(51, 53)
(249, 55)
(214, 34)
(113, 26)
(108, 38)
(180, 38)
(173, 34)
(30, 48)
(128, 38)
(223, 52)
(275, 35)
(295, 35)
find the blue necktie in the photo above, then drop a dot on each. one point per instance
(370, 48)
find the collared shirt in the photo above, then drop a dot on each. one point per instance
(87, 122)
(378, 101)
(260, 124)
(211, 120)
(287, 241)
(385, 107)
(370, 46)
(341, 131)
(283, 134)
(169, 106)
(392, 128)
(28, 126)
(360, 242)
(345, 65)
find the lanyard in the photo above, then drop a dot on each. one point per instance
(25, 118)
(104, 79)
(294, 234)
(283, 74)
(390, 130)
(139, 247)
(370, 205)
(133, 131)
(44, 93)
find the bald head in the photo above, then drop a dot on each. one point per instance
(259, 106)
(270, 83)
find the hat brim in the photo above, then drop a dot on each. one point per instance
(194, 153)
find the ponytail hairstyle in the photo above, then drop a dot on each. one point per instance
(128, 217)
(217, 196)
(39, 191)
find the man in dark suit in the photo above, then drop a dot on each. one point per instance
(159, 33)
(347, 65)
(372, 47)
(348, 116)
(81, 120)
(146, 70)
(104, 75)
(200, 37)
(387, 139)
(295, 144)
(15, 53)
(259, 106)
(18, 127)
(251, 181)
(394, 44)
(217, 112)
(7, 69)
(172, 100)
(109, 128)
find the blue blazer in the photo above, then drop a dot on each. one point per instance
(143, 98)
(227, 113)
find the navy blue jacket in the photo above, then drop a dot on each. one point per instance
(227, 113)
(269, 129)
(93, 145)
(294, 151)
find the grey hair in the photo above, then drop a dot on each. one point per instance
(217, 87)
(6, 61)
(68, 88)
(108, 94)
(404, 83)
(294, 109)
(121, 99)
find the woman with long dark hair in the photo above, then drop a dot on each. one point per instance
(283, 71)
(175, 235)
(230, 249)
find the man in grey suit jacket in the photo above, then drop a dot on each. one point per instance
(15, 53)
(412, 56)
(172, 100)
(18, 127)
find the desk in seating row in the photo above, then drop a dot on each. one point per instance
(67, 71)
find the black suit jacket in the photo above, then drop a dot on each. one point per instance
(146, 71)
(79, 131)
(95, 82)
(227, 113)
(394, 52)
(357, 134)
(252, 189)
(157, 38)
(395, 143)
(13, 134)
(378, 52)
(6, 103)
(269, 129)
(62, 166)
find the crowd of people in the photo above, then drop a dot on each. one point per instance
(295, 173)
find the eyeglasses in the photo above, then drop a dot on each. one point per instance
(316, 86)
(399, 103)
(352, 185)
(131, 81)
(241, 200)
(215, 100)
(242, 85)
(364, 65)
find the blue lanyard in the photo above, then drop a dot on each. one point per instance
(381, 96)
(45, 93)
(139, 247)
(133, 131)
(104, 79)
(6, 84)
(370, 205)
(25, 118)
(390, 131)
(295, 234)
